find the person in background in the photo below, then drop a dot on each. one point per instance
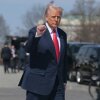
(45, 77)
(13, 59)
(6, 56)
(21, 57)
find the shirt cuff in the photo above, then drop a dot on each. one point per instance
(36, 35)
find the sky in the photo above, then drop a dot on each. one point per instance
(14, 10)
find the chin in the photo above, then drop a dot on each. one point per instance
(55, 26)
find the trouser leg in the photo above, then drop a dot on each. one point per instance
(58, 92)
(33, 96)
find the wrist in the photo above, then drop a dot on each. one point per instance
(37, 35)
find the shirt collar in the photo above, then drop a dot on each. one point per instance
(48, 27)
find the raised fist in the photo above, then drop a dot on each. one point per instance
(41, 29)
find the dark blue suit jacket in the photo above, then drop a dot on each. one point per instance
(39, 77)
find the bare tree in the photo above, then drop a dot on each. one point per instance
(4, 29)
(86, 10)
(97, 24)
(33, 16)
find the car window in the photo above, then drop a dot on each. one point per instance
(74, 48)
(91, 51)
(81, 53)
(98, 50)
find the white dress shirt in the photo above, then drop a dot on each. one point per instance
(51, 34)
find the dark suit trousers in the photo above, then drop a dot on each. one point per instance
(56, 94)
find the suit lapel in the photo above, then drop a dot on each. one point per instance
(61, 44)
(51, 45)
(50, 42)
(61, 47)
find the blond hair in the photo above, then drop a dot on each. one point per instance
(53, 6)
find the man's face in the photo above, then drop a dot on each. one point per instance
(53, 18)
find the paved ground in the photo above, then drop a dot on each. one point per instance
(9, 89)
(9, 80)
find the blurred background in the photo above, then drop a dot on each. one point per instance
(81, 22)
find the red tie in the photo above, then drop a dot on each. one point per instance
(55, 41)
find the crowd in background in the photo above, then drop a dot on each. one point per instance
(13, 60)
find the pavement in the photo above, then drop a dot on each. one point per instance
(9, 89)
(9, 80)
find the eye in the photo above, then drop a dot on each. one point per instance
(53, 16)
(58, 17)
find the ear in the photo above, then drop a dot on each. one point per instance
(46, 19)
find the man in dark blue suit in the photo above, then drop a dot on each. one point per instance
(46, 76)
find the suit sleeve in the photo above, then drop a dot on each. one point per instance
(32, 40)
(65, 68)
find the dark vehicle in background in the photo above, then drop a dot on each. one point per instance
(87, 62)
(73, 48)
(18, 42)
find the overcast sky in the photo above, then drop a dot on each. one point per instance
(13, 10)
